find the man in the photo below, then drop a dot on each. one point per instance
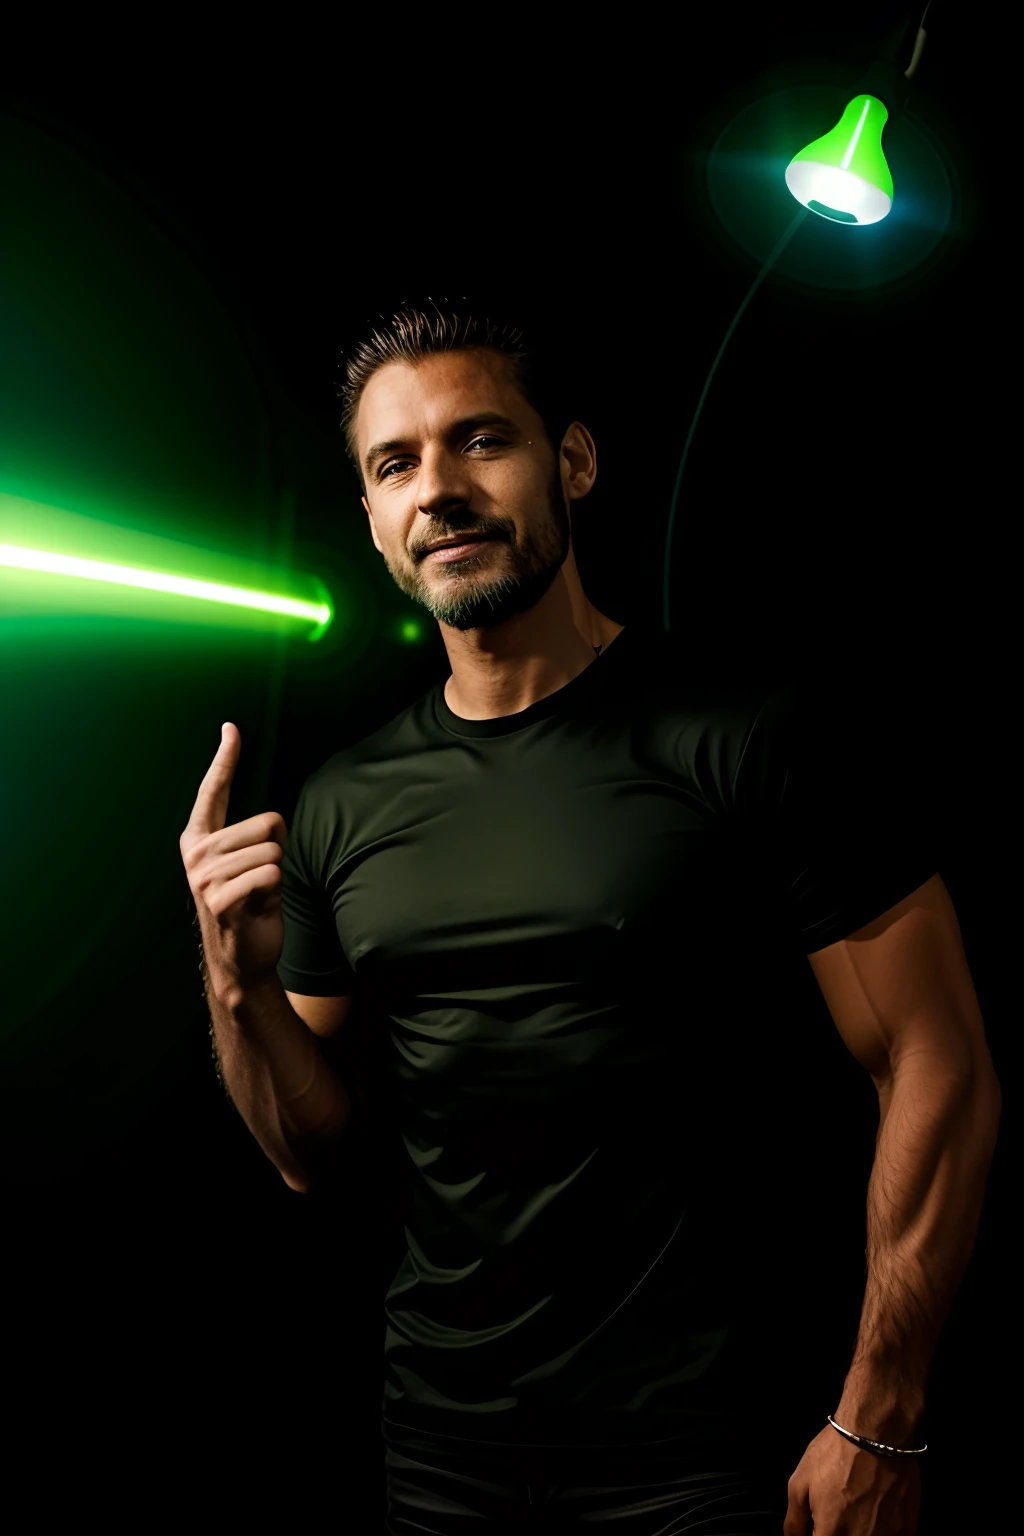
(543, 880)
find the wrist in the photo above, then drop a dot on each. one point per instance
(881, 1404)
(254, 1005)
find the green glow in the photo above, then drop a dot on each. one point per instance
(844, 176)
(410, 630)
(51, 562)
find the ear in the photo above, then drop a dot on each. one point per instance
(577, 461)
(373, 526)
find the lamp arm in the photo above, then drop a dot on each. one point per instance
(765, 268)
(919, 42)
(899, 44)
(897, 59)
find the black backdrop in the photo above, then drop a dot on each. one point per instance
(193, 1327)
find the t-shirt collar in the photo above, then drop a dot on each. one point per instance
(560, 701)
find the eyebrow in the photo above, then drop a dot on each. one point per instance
(456, 430)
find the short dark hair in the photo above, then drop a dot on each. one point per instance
(417, 330)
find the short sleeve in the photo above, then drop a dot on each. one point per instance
(312, 962)
(828, 805)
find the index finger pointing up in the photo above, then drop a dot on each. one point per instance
(211, 808)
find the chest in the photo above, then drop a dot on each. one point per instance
(528, 874)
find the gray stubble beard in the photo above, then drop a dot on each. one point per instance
(479, 603)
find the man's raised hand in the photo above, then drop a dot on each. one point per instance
(234, 874)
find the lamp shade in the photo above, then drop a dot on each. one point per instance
(843, 176)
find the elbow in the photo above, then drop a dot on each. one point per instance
(981, 1100)
(989, 1098)
(967, 1097)
(297, 1180)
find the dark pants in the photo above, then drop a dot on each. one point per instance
(433, 1492)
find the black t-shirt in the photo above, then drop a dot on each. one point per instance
(554, 918)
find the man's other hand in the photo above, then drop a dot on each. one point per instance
(850, 1492)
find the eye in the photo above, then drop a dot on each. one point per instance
(484, 439)
(393, 464)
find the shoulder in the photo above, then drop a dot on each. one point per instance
(403, 733)
(719, 731)
(363, 774)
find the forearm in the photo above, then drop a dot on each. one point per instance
(288, 1096)
(933, 1151)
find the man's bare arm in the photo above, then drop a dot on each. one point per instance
(902, 997)
(275, 1072)
(270, 1061)
(901, 994)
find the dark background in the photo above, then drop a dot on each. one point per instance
(180, 1315)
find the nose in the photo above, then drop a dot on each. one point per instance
(442, 484)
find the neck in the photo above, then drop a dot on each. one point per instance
(504, 670)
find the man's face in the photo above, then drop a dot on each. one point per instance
(449, 446)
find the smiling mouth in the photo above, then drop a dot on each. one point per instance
(459, 550)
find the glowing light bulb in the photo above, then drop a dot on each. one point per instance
(844, 176)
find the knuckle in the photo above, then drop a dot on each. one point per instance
(194, 855)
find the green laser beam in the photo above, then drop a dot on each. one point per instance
(18, 557)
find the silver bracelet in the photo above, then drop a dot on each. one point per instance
(875, 1446)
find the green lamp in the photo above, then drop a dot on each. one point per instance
(843, 176)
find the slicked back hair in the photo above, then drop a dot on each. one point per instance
(416, 331)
